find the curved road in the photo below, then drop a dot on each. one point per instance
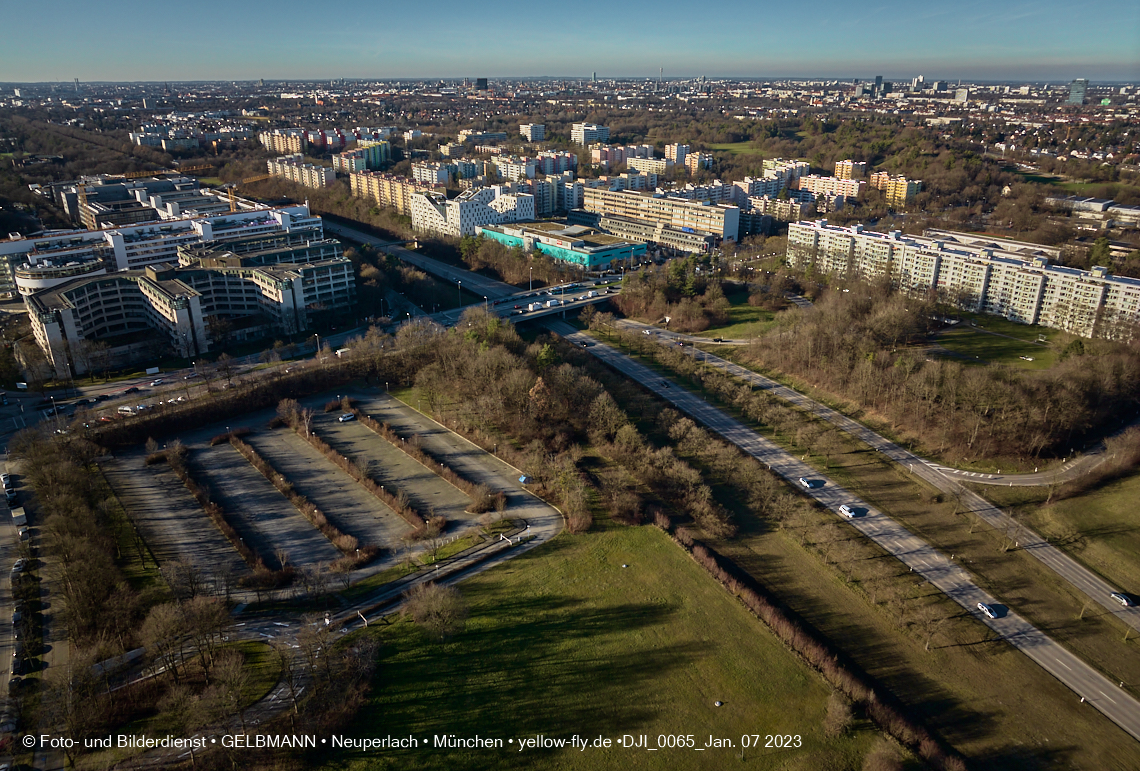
(943, 573)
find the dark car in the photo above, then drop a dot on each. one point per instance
(132, 390)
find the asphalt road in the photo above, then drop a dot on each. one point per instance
(1091, 686)
(475, 283)
(1081, 578)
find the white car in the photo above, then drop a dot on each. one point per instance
(807, 483)
(847, 511)
(1123, 599)
(157, 382)
(987, 610)
(346, 417)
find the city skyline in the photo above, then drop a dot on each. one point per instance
(976, 41)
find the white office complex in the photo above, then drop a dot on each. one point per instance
(134, 247)
(294, 169)
(261, 275)
(533, 132)
(139, 313)
(976, 272)
(588, 133)
(434, 213)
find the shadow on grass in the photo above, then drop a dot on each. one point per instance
(545, 665)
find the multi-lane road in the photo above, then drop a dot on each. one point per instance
(1080, 577)
(941, 571)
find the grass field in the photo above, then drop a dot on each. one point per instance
(975, 346)
(744, 320)
(565, 640)
(736, 148)
(986, 339)
(979, 696)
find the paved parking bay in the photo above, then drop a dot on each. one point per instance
(169, 519)
(393, 468)
(271, 519)
(349, 506)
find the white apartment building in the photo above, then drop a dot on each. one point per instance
(649, 165)
(848, 188)
(514, 168)
(750, 187)
(676, 153)
(294, 169)
(533, 132)
(431, 173)
(996, 276)
(788, 170)
(434, 213)
(714, 192)
(284, 141)
(587, 133)
(556, 162)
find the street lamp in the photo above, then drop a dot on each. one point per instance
(486, 305)
(459, 284)
(531, 288)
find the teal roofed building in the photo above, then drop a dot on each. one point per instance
(576, 244)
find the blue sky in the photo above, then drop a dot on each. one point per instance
(117, 40)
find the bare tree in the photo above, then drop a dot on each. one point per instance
(839, 715)
(162, 636)
(439, 609)
(231, 679)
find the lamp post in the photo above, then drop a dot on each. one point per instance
(531, 287)
(459, 284)
(486, 304)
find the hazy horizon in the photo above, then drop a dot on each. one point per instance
(976, 40)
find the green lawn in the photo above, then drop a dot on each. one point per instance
(971, 340)
(975, 346)
(737, 148)
(744, 320)
(565, 640)
(263, 667)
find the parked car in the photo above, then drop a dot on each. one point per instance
(807, 483)
(1123, 599)
(132, 390)
(847, 511)
(346, 417)
(987, 610)
(156, 382)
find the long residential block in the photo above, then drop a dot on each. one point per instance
(978, 273)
